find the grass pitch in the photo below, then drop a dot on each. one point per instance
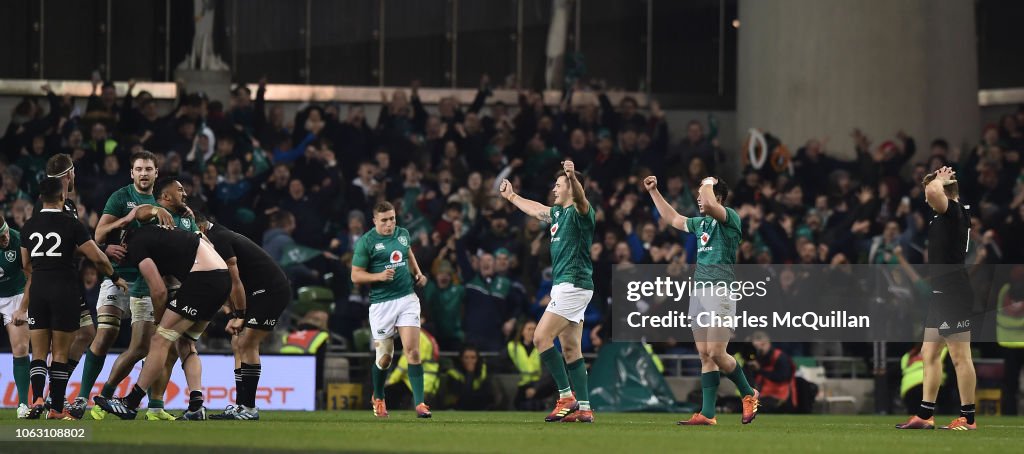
(454, 432)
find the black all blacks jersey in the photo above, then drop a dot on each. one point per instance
(69, 208)
(173, 250)
(256, 268)
(51, 238)
(947, 235)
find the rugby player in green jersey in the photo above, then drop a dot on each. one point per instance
(718, 238)
(132, 204)
(572, 222)
(12, 289)
(383, 259)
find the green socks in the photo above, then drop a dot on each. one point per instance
(553, 361)
(378, 376)
(578, 375)
(155, 404)
(740, 379)
(416, 381)
(21, 366)
(90, 371)
(709, 388)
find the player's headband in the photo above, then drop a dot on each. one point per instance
(65, 172)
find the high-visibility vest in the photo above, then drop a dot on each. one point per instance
(428, 356)
(913, 370)
(304, 342)
(657, 361)
(1009, 326)
(478, 381)
(528, 364)
(781, 391)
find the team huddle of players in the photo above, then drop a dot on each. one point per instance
(174, 270)
(169, 269)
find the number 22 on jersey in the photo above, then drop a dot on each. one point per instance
(38, 239)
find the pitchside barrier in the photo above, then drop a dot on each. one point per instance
(287, 382)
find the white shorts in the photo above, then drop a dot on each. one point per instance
(8, 305)
(386, 316)
(714, 306)
(569, 301)
(140, 309)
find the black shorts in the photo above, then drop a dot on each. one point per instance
(263, 307)
(201, 295)
(54, 306)
(950, 310)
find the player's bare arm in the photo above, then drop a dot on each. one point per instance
(147, 213)
(418, 277)
(579, 197)
(109, 222)
(362, 277)
(92, 252)
(934, 192)
(157, 289)
(711, 205)
(666, 211)
(535, 209)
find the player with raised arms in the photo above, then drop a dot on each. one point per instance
(718, 238)
(572, 222)
(949, 312)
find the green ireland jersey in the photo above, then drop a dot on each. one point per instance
(571, 236)
(12, 278)
(139, 288)
(120, 203)
(375, 253)
(717, 244)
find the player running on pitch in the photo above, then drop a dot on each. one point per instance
(383, 260)
(12, 289)
(949, 314)
(718, 238)
(572, 221)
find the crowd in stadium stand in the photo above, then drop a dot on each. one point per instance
(312, 180)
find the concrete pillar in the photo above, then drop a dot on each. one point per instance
(811, 68)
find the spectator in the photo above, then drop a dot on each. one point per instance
(467, 385)
(278, 240)
(533, 389)
(774, 375)
(694, 145)
(487, 312)
(442, 300)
